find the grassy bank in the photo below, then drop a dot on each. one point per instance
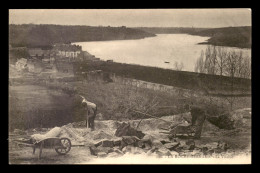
(34, 106)
(187, 80)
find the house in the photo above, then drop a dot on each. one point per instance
(39, 53)
(36, 53)
(68, 50)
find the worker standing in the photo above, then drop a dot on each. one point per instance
(198, 116)
(90, 112)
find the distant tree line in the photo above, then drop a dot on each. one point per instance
(30, 35)
(227, 36)
(171, 30)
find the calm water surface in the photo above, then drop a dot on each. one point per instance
(152, 51)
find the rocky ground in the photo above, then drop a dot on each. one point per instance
(102, 146)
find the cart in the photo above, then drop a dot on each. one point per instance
(61, 145)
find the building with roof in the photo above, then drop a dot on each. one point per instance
(39, 53)
(68, 50)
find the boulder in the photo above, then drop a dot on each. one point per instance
(102, 154)
(190, 144)
(140, 144)
(151, 151)
(204, 150)
(211, 145)
(148, 138)
(130, 140)
(146, 142)
(210, 152)
(126, 130)
(147, 146)
(107, 143)
(165, 141)
(127, 149)
(118, 151)
(171, 146)
(113, 154)
(123, 144)
(98, 144)
(178, 149)
(196, 152)
(174, 153)
(156, 143)
(117, 142)
(137, 150)
(222, 145)
(101, 135)
(223, 121)
(163, 152)
(95, 150)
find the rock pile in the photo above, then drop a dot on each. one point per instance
(154, 147)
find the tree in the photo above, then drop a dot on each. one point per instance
(200, 65)
(220, 61)
(178, 66)
(246, 70)
(210, 56)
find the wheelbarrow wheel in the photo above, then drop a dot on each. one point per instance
(65, 146)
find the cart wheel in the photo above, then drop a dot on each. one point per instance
(65, 148)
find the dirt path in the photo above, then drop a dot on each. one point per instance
(24, 155)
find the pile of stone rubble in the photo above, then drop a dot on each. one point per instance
(139, 143)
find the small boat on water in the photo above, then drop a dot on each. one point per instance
(166, 62)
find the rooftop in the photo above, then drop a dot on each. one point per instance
(67, 47)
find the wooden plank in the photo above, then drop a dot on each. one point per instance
(152, 116)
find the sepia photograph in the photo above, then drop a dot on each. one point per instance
(129, 86)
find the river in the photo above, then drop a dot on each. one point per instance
(153, 51)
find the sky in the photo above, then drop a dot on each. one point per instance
(205, 18)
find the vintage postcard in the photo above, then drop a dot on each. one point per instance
(130, 86)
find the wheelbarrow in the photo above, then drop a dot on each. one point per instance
(61, 145)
